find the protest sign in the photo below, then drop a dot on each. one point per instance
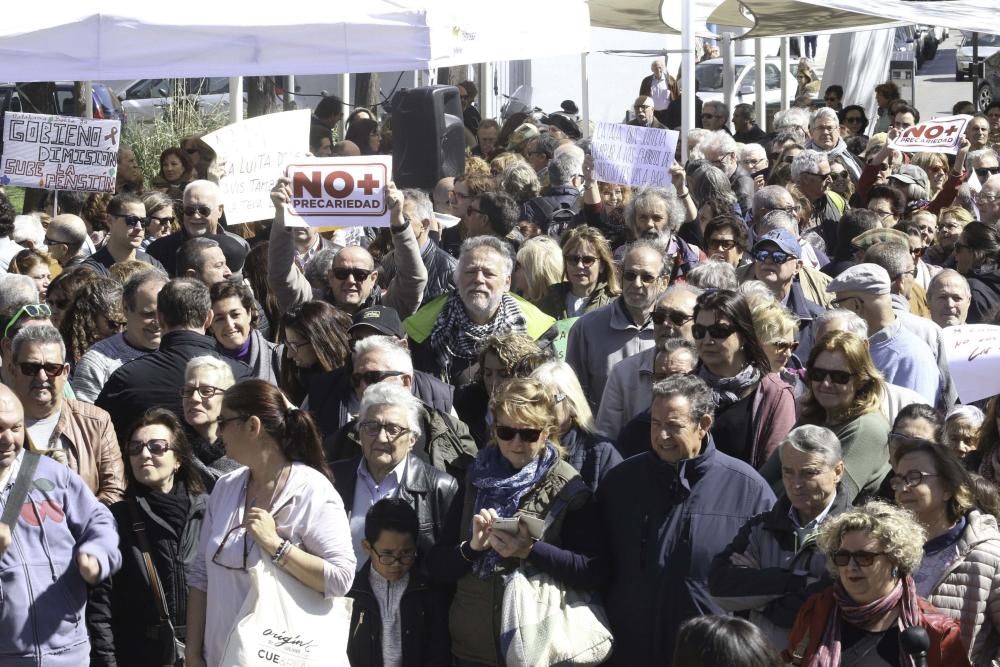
(251, 156)
(562, 340)
(633, 155)
(940, 135)
(59, 152)
(974, 360)
(341, 191)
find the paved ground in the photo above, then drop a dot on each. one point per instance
(936, 88)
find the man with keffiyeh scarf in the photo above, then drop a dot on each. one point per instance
(449, 332)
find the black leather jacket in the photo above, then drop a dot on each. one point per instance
(440, 270)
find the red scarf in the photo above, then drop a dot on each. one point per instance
(847, 610)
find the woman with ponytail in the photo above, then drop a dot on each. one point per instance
(281, 506)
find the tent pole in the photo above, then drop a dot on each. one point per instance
(345, 97)
(88, 99)
(728, 70)
(585, 97)
(687, 74)
(235, 99)
(759, 103)
(784, 74)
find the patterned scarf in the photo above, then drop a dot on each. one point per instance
(847, 610)
(990, 467)
(499, 486)
(455, 335)
(726, 391)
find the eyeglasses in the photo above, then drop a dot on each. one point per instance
(203, 390)
(222, 544)
(222, 421)
(985, 199)
(817, 374)
(31, 368)
(884, 215)
(820, 175)
(507, 433)
(724, 245)
(359, 275)
(296, 346)
(586, 260)
(676, 317)
(373, 428)
(632, 276)
(984, 173)
(785, 345)
(912, 272)
(373, 377)
(169, 220)
(840, 303)
(909, 480)
(752, 164)
(772, 256)
(406, 557)
(203, 211)
(716, 331)
(156, 447)
(49, 241)
(862, 558)
(32, 310)
(131, 220)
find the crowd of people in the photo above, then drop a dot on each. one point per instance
(721, 411)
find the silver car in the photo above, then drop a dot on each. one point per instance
(988, 45)
(146, 99)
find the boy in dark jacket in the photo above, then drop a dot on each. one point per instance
(398, 620)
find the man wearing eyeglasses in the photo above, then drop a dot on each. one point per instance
(811, 173)
(824, 136)
(988, 200)
(715, 116)
(644, 117)
(721, 150)
(72, 432)
(126, 231)
(66, 238)
(200, 216)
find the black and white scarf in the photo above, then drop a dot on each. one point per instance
(726, 391)
(455, 335)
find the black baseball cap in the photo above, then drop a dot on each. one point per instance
(383, 319)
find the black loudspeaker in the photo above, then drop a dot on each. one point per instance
(428, 136)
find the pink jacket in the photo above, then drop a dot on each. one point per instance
(773, 416)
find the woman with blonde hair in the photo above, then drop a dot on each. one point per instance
(35, 264)
(590, 452)
(935, 165)
(591, 278)
(520, 475)
(951, 221)
(539, 266)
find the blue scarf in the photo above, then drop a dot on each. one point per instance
(501, 487)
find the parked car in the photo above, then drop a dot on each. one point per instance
(989, 87)
(708, 75)
(106, 105)
(988, 45)
(146, 99)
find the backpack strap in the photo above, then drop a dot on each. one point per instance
(139, 528)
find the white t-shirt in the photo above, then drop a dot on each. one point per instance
(660, 92)
(40, 431)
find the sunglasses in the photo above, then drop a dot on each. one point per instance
(862, 558)
(985, 172)
(32, 310)
(840, 175)
(374, 377)
(817, 374)
(156, 447)
(204, 390)
(721, 244)
(360, 275)
(647, 278)
(373, 428)
(203, 211)
(131, 220)
(716, 331)
(507, 433)
(772, 256)
(586, 260)
(169, 220)
(31, 368)
(676, 317)
(785, 345)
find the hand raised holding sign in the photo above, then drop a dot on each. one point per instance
(281, 193)
(394, 202)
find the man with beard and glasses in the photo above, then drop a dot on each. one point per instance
(75, 433)
(448, 333)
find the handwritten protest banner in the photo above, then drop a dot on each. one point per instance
(251, 156)
(941, 135)
(59, 152)
(632, 155)
(341, 191)
(974, 360)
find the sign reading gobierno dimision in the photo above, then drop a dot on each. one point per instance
(59, 152)
(339, 191)
(940, 135)
(633, 155)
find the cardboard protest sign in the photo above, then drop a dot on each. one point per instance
(59, 152)
(562, 340)
(632, 155)
(941, 135)
(251, 156)
(974, 360)
(341, 191)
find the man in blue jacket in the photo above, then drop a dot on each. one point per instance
(665, 514)
(61, 540)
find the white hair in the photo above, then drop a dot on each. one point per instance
(28, 229)
(969, 413)
(793, 117)
(422, 205)
(852, 322)
(718, 143)
(823, 113)
(812, 439)
(224, 378)
(755, 151)
(398, 356)
(384, 393)
(498, 246)
(713, 274)
(560, 378)
(807, 161)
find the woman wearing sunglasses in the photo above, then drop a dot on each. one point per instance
(590, 279)
(843, 394)
(776, 329)
(872, 552)
(962, 554)
(281, 506)
(205, 380)
(977, 257)
(754, 407)
(521, 474)
(165, 497)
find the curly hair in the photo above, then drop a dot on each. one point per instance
(78, 327)
(95, 210)
(869, 381)
(508, 349)
(901, 537)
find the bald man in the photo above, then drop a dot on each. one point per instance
(66, 540)
(345, 149)
(66, 237)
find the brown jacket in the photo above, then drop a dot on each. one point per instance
(91, 447)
